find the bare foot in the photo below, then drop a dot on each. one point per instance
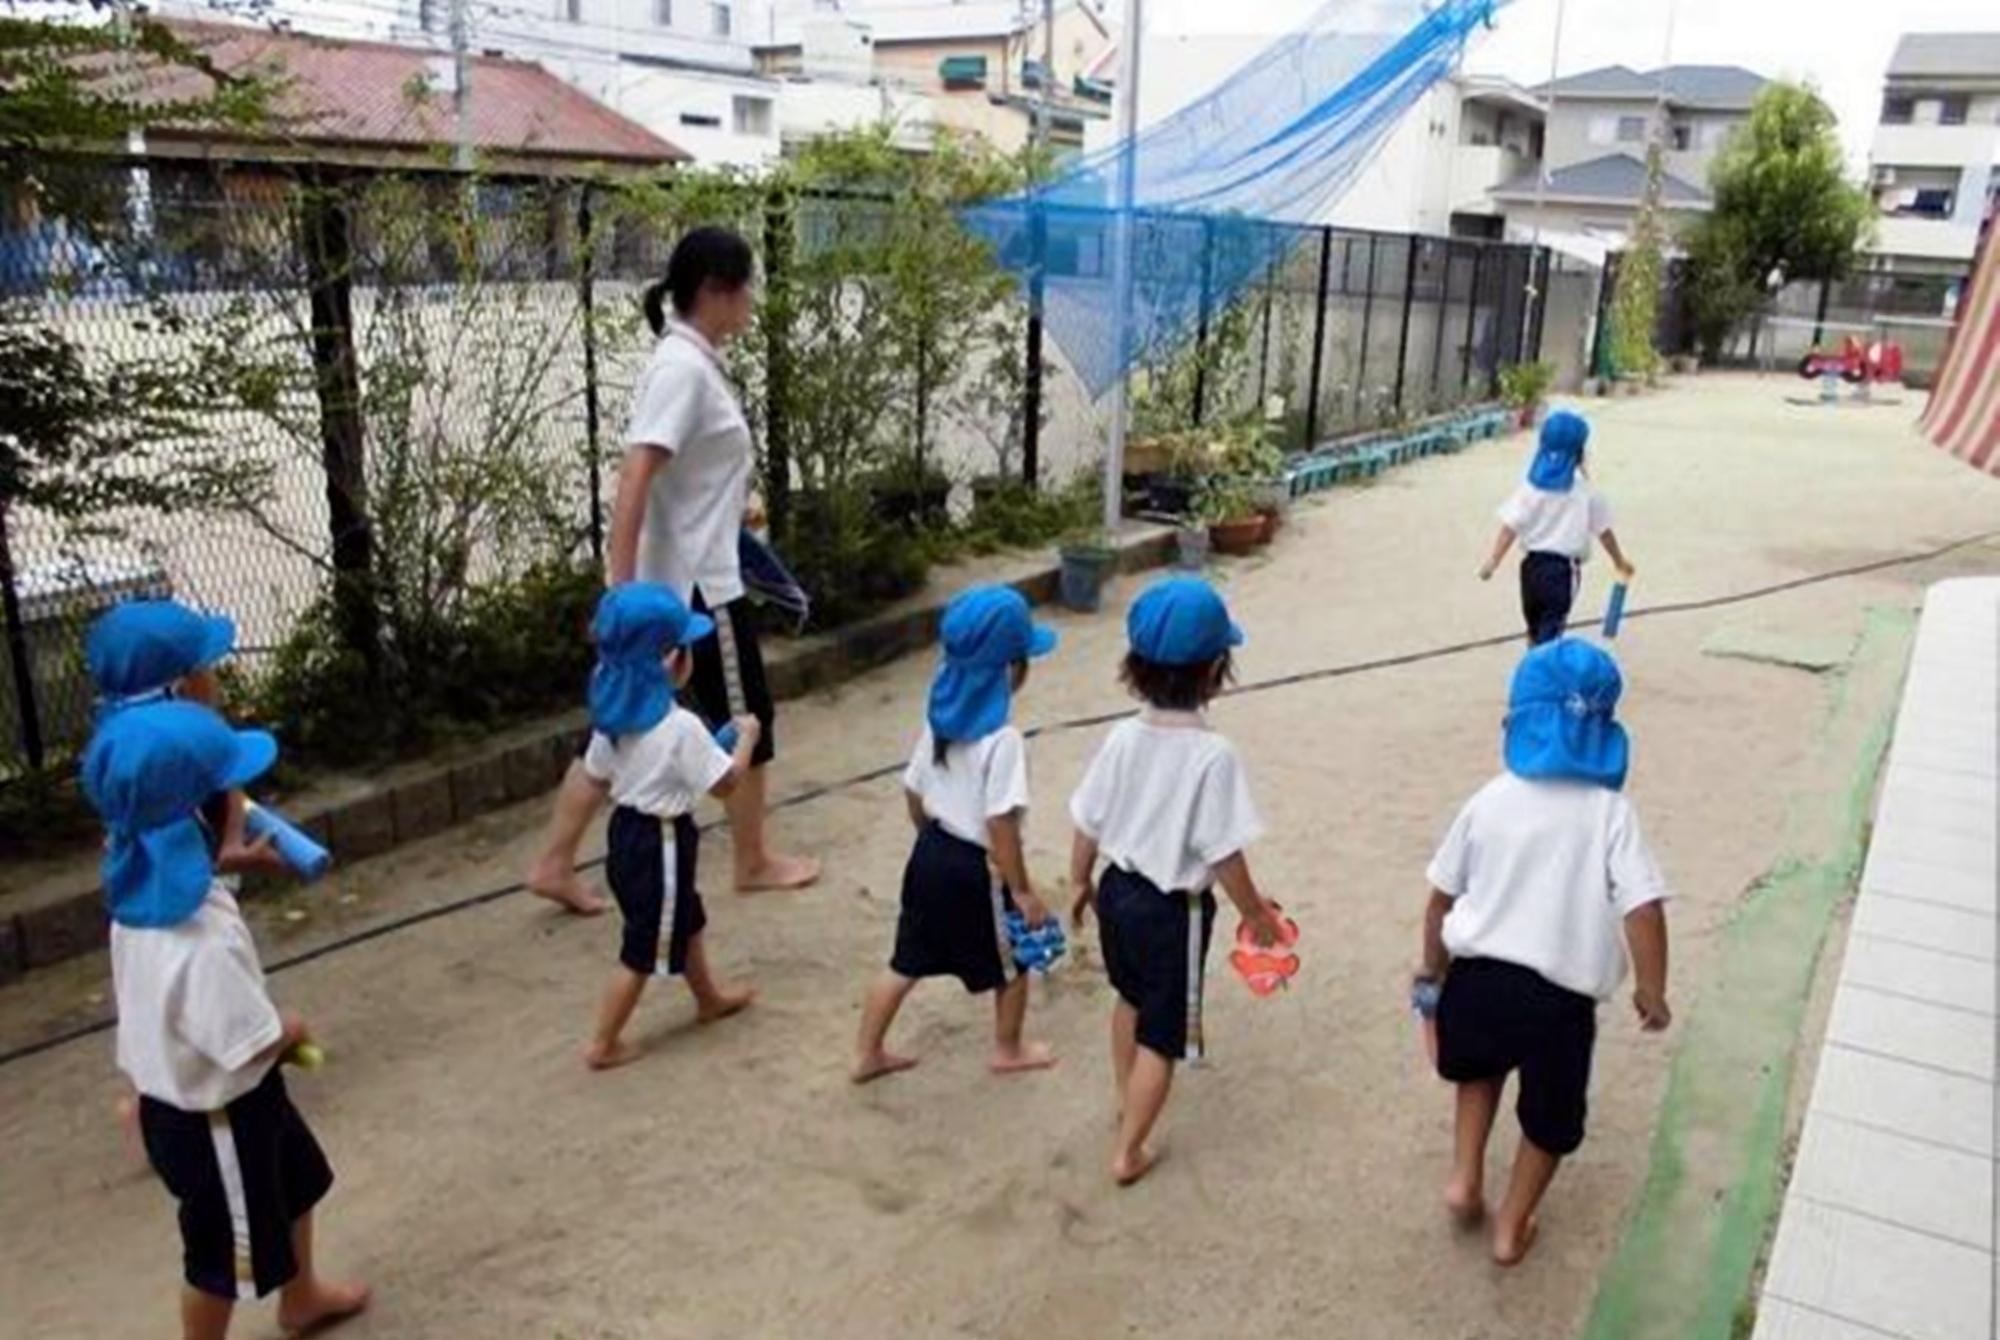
(1465, 1201)
(778, 874)
(600, 1057)
(567, 892)
(1028, 1056)
(1129, 1169)
(880, 1065)
(324, 1305)
(1510, 1247)
(723, 1004)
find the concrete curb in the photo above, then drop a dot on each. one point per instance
(383, 816)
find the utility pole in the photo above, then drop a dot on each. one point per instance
(1121, 260)
(1535, 294)
(461, 85)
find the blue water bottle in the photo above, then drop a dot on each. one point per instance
(1614, 613)
(306, 857)
(726, 736)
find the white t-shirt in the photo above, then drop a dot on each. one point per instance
(192, 1009)
(685, 406)
(665, 771)
(981, 779)
(1557, 523)
(1166, 798)
(1542, 874)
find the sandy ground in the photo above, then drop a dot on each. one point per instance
(733, 1184)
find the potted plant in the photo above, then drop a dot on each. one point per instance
(1525, 388)
(1191, 544)
(1088, 560)
(1234, 524)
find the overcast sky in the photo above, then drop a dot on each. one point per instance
(1845, 55)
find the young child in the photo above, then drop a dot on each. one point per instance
(967, 793)
(1555, 515)
(1540, 876)
(198, 1035)
(1166, 806)
(658, 760)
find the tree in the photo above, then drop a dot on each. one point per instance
(1783, 204)
(1635, 306)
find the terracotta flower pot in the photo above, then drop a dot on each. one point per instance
(1238, 536)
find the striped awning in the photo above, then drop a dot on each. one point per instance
(1964, 414)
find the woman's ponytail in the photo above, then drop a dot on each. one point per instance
(655, 302)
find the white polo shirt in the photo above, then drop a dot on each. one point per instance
(192, 1009)
(663, 772)
(685, 406)
(1557, 523)
(979, 780)
(1543, 874)
(1166, 798)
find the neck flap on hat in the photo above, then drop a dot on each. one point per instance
(970, 701)
(629, 694)
(157, 877)
(1575, 740)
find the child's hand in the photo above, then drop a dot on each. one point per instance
(295, 1033)
(748, 729)
(1086, 899)
(1485, 572)
(1267, 930)
(1033, 910)
(1626, 572)
(242, 858)
(1654, 1016)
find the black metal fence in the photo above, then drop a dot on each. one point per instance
(297, 379)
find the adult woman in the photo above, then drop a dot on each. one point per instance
(683, 495)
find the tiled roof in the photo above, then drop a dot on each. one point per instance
(383, 96)
(1614, 179)
(1720, 86)
(1946, 55)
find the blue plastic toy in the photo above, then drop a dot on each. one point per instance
(306, 857)
(1614, 613)
(1036, 948)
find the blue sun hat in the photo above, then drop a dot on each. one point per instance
(1560, 716)
(637, 624)
(1561, 450)
(985, 630)
(147, 772)
(1181, 621)
(136, 650)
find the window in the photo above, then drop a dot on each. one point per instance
(663, 13)
(1631, 129)
(752, 116)
(1603, 130)
(718, 20)
(1952, 111)
(1680, 136)
(1898, 111)
(701, 120)
(573, 10)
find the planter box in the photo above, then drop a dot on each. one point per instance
(1238, 537)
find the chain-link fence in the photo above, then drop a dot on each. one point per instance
(364, 403)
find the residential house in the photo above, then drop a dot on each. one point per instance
(1600, 125)
(684, 69)
(982, 68)
(1935, 160)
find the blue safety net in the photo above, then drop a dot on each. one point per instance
(1276, 143)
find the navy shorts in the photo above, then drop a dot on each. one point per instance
(243, 1177)
(954, 917)
(1155, 948)
(1496, 1017)
(650, 864)
(1548, 589)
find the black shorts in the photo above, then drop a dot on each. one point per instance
(1548, 589)
(1155, 948)
(954, 917)
(1497, 1017)
(728, 678)
(650, 864)
(243, 1177)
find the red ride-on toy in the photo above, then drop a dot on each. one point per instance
(1856, 363)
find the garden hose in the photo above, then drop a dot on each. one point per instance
(811, 794)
